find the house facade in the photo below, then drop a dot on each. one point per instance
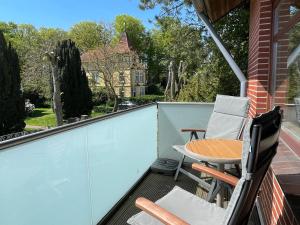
(118, 67)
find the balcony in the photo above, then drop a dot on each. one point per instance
(91, 171)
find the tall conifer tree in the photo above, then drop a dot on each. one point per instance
(76, 94)
(12, 107)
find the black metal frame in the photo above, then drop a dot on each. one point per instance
(264, 141)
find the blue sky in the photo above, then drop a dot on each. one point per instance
(64, 13)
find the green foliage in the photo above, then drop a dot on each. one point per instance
(103, 109)
(76, 94)
(181, 37)
(87, 35)
(31, 45)
(12, 110)
(173, 41)
(214, 75)
(141, 100)
(99, 96)
(134, 29)
(35, 98)
(200, 88)
(154, 89)
(294, 68)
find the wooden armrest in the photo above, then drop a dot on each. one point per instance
(158, 212)
(215, 173)
(192, 130)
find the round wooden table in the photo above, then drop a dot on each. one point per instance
(219, 151)
(216, 150)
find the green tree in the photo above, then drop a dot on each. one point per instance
(87, 35)
(36, 71)
(215, 75)
(31, 45)
(134, 29)
(173, 41)
(76, 94)
(12, 111)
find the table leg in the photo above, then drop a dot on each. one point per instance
(220, 194)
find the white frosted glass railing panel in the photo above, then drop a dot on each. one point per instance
(76, 176)
(174, 116)
(121, 150)
(45, 181)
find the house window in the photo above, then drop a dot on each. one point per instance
(96, 77)
(286, 64)
(139, 77)
(121, 78)
(142, 90)
(133, 91)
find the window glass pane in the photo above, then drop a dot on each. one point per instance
(121, 77)
(286, 65)
(142, 90)
(137, 77)
(141, 77)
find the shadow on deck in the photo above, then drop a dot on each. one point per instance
(153, 187)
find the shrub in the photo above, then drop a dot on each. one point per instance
(141, 100)
(103, 109)
(99, 97)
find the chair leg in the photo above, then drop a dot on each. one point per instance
(211, 190)
(238, 170)
(216, 190)
(179, 166)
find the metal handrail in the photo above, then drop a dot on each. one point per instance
(67, 127)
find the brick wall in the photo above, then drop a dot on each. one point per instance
(259, 62)
(273, 203)
(266, 89)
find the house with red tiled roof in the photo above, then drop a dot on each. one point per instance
(116, 66)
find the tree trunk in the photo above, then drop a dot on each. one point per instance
(181, 76)
(57, 105)
(115, 104)
(169, 80)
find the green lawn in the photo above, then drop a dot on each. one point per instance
(44, 117)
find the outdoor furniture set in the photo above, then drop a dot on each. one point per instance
(221, 144)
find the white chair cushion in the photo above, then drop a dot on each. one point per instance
(186, 206)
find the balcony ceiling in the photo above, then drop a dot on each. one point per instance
(216, 9)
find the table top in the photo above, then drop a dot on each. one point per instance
(216, 150)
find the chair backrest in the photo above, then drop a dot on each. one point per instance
(228, 117)
(297, 103)
(260, 142)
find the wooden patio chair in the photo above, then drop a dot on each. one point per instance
(226, 122)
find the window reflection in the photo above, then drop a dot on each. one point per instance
(286, 63)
